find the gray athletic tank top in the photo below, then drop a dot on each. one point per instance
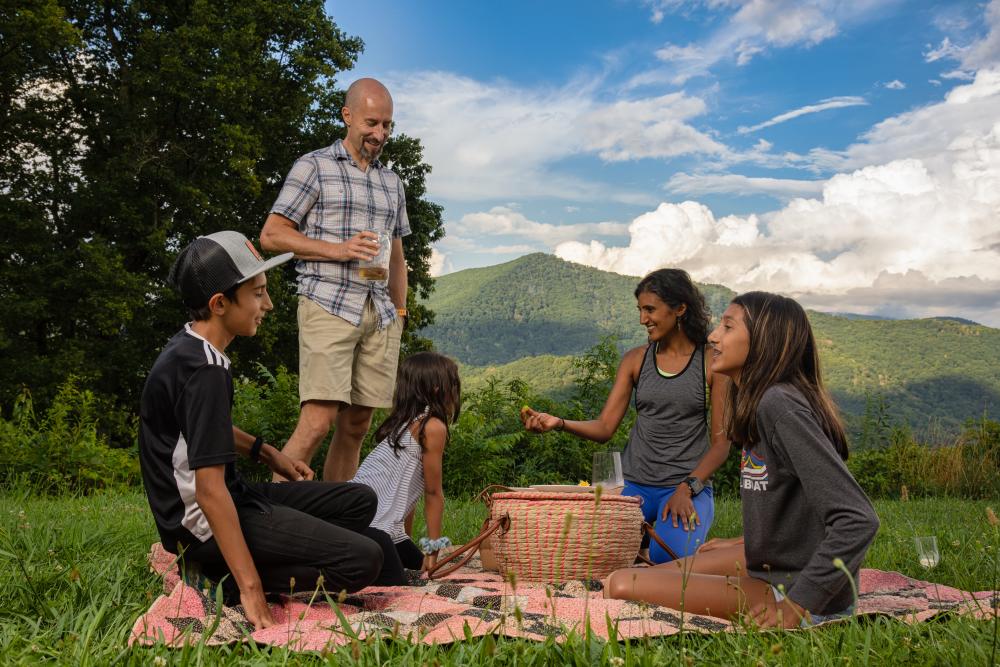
(670, 435)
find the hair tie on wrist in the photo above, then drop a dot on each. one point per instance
(255, 448)
(428, 546)
(562, 424)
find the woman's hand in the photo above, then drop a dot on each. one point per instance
(784, 614)
(681, 507)
(539, 422)
(720, 543)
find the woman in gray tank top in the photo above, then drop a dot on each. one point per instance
(669, 458)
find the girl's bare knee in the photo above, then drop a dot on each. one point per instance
(620, 585)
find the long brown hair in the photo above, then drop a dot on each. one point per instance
(426, 381)
(782, 350)
(674, 287)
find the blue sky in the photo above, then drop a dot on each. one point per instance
(846, 153)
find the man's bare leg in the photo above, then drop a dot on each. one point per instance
(353, 422)
(315, 420)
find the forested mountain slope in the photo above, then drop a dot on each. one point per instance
(493, 319)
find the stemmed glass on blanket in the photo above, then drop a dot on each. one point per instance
(928, 556)
(927, 551)
(608, 472)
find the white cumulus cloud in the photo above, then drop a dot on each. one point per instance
(437, 263)
(926, 132)
(498, 141)
(914, 235)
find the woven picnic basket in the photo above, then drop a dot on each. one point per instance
(542, 536)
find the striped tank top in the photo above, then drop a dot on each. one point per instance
(397, 480)
(670, 434)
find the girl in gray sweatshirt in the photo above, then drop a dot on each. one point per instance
(807, 523)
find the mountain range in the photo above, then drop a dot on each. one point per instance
(529, 317)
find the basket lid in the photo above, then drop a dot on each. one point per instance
(577, 497)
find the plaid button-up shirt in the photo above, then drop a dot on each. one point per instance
(328, 197)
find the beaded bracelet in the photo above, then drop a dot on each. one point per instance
(429, 546)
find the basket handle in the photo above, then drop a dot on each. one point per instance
(648, 527)
(486, 495)
(469, 549)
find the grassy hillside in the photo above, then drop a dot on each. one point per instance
(535, 305)
(548, 374)
(525, 318)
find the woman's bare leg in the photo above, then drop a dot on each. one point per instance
(712, 594)
(729, 560)
(712, 582)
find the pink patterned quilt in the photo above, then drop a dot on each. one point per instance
(473, 603)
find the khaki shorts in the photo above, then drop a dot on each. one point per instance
(341, 362)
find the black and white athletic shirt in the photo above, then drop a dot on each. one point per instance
(186, 424)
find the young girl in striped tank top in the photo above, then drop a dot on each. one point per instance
(406, 463)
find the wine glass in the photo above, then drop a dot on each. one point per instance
(607, 472)
(927, 551)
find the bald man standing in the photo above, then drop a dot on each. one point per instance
(331, 209)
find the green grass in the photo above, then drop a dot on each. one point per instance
(73, 579)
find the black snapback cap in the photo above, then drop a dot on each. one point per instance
(214, 263)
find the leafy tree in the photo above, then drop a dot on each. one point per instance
(38, 138)
(405, 155)
(131, 128)
(876, 422)
(598, 367)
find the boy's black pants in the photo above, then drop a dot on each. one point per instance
(311, 529)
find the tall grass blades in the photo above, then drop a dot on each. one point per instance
(72, 583)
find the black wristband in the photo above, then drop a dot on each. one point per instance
(255, 448)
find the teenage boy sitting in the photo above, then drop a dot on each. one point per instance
(263, 534)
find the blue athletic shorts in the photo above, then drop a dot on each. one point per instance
(683, 542)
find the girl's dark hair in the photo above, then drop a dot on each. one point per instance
(674, 287)
(782, 350)
(426, 380)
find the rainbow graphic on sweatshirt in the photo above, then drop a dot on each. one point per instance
(753, 471)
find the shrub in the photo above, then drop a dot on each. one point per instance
(980, 444)
(483, 443)
(726, 480)
(267, 405)
(968, 467)
(63, 451)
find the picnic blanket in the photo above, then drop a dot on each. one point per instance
(472, 603)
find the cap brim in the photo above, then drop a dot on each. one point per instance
(268, 265)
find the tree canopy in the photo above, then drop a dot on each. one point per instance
(130, 128)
